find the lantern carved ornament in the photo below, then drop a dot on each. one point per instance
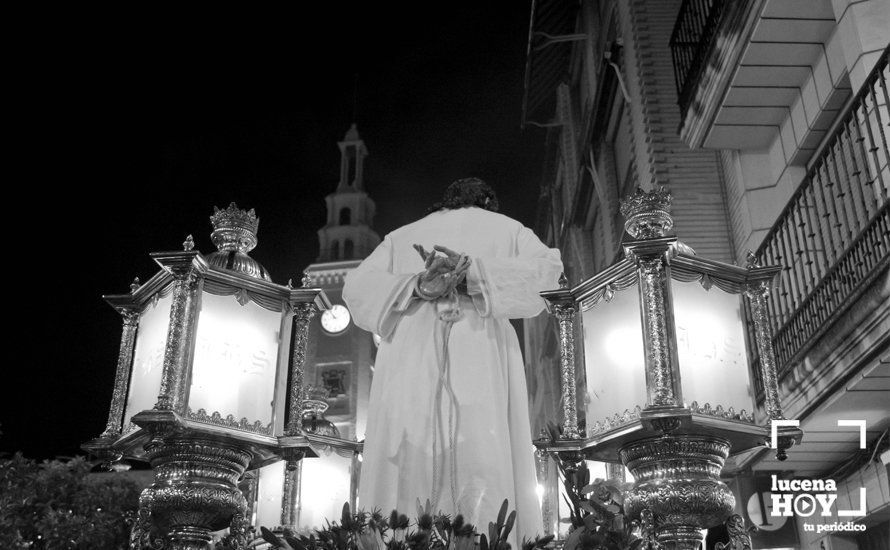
(211, 358)
(663, 338)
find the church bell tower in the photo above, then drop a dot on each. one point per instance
(347, 235)
(341, 355)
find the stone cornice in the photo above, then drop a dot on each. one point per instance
(720, 67)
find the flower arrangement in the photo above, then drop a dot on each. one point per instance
(431, 531)
(597, 513)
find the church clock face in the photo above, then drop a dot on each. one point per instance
(336, 319)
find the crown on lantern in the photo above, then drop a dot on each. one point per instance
(235, 218)
(647, 214)
(315, 400)
(234, 228)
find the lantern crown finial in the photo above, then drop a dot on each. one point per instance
(314, 406)
(234, 228)
(234, 235)
(647, 214)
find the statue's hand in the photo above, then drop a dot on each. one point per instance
(441, 273)
(459, 263)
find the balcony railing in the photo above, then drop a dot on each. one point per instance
(833, 237)
(691, 39)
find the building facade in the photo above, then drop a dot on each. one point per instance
(340, 359)
(767, 121)
(341, 355)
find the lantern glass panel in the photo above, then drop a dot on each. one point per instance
(613, 356)
(711, 346)
(324, 487)
(236, 350)
(270, 490)
(148, 357)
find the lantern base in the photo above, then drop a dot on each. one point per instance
(678, 480)
(102, 447)
(195, 491)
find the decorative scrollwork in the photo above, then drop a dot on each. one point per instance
(757, 299)
(646, 525)
(666, 425)
(565, 315)
(195, 490)
(615, 421)
(739, 534)
(729, 414)
(229, 421)
(647, 214)
(239, 531)
(303, 314)
(659, 363)
(677, 479)
(607, 292)
(122, 375)
(290, 497)
(183, 314)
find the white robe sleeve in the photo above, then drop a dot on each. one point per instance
(510, 287)
(375, 295)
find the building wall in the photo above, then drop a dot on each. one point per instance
(727, 198)
(871, 477)
(661, 158)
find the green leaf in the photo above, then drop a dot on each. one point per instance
(270, 537)
(511, 519)
(294, 543)
(574, 539)
(502, 514)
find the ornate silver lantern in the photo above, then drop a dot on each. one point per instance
(211, 359)
(664, 357)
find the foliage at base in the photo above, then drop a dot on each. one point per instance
(430, 531)
(53, 505)
(597, 513)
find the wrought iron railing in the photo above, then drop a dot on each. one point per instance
(833, 237)
(691, 40)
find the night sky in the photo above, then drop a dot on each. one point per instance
(129, 133)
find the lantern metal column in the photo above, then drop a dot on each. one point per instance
(303, 314)
(565, 311)
(102, 446)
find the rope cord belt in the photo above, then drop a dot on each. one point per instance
(442, 334)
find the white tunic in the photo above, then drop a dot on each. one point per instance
(451, 424)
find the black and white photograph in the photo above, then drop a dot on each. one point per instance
(525, 275)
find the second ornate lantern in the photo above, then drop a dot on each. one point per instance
(668, 388)
(210, 364)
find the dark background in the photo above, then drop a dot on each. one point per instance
(129, 128)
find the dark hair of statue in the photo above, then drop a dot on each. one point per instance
(467, 192)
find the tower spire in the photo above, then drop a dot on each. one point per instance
(355, 99)
(348, 233)
(352, 161)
